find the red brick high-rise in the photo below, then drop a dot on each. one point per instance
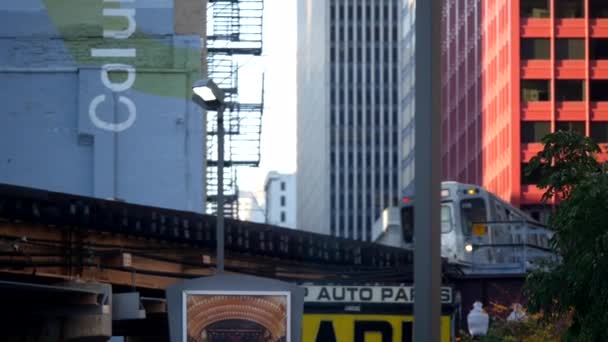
(513, 71)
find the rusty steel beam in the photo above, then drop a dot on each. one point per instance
(118, 259)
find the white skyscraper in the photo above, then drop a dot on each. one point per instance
(348, 99)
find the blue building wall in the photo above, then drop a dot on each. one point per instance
(141, 142)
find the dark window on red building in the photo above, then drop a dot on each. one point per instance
(530, 179)
(598, 48)
(598, 8)
(535, 9)
(534, 131)
(570, 90)
(599, 132)
(576, 126)
(569, 9)
(535, 48)
(535, 90)
(569, 48)
(599, 90)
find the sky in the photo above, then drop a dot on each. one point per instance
(278, 64)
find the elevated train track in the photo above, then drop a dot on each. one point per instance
(57, 235)
(54, 239)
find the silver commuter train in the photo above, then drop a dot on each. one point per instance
(480, 232)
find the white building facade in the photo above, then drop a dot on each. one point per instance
(280, 203)
(348, 114)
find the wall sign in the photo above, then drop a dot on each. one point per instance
(367, 294)
(364, 328)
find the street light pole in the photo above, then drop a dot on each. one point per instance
(427, 258)
(220, 190)
(209, 96)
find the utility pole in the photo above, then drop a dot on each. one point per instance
(427, 235)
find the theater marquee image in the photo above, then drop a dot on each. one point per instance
(236, 316)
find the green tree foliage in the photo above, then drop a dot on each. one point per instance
(567, 159)
(534, 329)
(577, 285)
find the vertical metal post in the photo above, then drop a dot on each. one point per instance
(427, 235)
(220, 191)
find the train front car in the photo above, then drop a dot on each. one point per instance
(453, 240)
(482, 233)
(470, 211)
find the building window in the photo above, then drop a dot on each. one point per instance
(570, 90)
(535, 48)
(282, 201)
(282, 216)
(535, 9)
(570, 48)
(282, 186)
(535, 90)
(576, 126)
(526, 179)
(598, 8)
(569, 9)
(599, 132)
(598, 49)
(599, 90)
(534, 131)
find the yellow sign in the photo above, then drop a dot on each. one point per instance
(479, 229)
(364, 328)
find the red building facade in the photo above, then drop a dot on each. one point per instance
(515, 70)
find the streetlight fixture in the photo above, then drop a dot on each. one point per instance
(209, 96)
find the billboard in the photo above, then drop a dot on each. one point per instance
(239, 308)
(237, 316)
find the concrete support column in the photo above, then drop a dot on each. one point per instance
(92, 328)
(66, 312)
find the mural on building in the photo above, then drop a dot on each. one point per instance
(96, 100)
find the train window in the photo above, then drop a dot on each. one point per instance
(407, 223)
(499, 212)
(536, 215)
(472, 210)
(446, 219)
